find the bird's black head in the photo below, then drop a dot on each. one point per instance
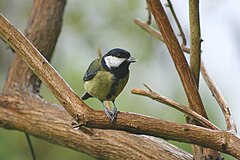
(117, 62)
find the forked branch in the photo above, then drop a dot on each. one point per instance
(175, 105)
(210, 83)
(178, 58)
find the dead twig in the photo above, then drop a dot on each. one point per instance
(149, 20)
(174, 105)
(184, 41)
(219, 98)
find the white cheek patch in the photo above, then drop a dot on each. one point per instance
(113, 61)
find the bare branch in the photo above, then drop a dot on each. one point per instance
(184, 41)
(149, 29)
(212, 86)
(179, 60)
(44, 26)
(44, 70)
(219, 97)
(51, 123)
(99, 53)
(175, 105)
(195, 35)
(149, 20)
(195, 59)
(155, 33)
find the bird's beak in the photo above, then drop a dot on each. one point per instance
(131, 59)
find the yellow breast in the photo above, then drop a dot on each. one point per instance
(102, 84)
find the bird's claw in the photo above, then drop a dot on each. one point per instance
(111, 114)
(114, 112)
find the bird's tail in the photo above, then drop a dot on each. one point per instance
(86, 96)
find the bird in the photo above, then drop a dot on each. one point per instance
(106, 77)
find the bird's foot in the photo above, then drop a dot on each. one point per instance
(111, 114)
(108, 113)
(114, 112)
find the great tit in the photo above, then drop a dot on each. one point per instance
(106, 77)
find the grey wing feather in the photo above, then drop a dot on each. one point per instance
(92, 70)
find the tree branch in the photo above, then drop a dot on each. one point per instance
(149, 29)
(55, 127)
(42, 30)
(175, 105)
(219, 98)
(210, 83)
(195, 41)
(223, 141)
(184, 41)
(176, 53)
(195, 59)
(152, 31)
(44, 70)
(51, 123)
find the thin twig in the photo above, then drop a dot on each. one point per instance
(30, 146)
(149, 89)
(149, 29)
(175, 105)
(149, 20)
(155, 33)
(184, 41)
(99, 53)
(219, 98)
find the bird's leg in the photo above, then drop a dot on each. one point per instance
(114, 111)
(108, 113)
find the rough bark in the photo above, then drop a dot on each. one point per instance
(43, 29)
(49, 122)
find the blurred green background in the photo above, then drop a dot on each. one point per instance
(89, 25)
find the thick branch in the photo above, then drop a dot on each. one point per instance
(44, 70)
(42, 30)
(187, 133)
(48, 122)
(176, 53)
(55, 126)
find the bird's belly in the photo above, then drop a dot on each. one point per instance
(104, 86)
(100, 85)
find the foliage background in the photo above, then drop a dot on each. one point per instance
(89, 25)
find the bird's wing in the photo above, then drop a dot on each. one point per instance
(92, 70)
